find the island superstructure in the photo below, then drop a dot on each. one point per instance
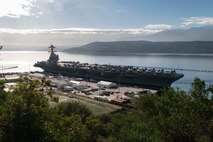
(145, 77)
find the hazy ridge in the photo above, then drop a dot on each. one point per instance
(138, 47)
(39, 40)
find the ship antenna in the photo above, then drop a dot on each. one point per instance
(53, 57)
(52, 48)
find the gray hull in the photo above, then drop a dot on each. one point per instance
(151, 80)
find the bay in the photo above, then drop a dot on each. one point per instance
(26, 59)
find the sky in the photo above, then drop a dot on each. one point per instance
(101, 17)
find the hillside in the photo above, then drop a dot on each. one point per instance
(204, 33)
(139, 47)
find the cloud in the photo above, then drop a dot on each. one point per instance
(81, 31)
(158, 26)
(18, 8)
(59, 5)
(197, 21)
(118, 11)
(67, 36)
(70, 36)
(50, 1)
(15, 8)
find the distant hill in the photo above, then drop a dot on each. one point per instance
(139, 47)
(204, 33)
(192, 34)
(61, 38)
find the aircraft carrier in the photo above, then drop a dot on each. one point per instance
(144, 77)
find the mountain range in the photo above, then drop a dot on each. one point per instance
(40, 40)
(141, 47)
(192, 34)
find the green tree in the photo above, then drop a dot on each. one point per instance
(24, 113)
(3, 94)
(74, 108)
(72, 129)
(128, 127)
(95, 126)
(178, 115)
(174, 115)
(26, 116)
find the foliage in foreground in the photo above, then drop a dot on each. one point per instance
(25, 115)
(174, 115)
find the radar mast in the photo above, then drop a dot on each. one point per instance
(53, 59)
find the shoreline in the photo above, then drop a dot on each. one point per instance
(140, 54)
(115, 54)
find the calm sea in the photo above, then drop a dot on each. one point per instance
(25, 60)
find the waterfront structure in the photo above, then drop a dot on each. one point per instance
(77, 85)
(145, 77)
(106, 84)
(12, 78)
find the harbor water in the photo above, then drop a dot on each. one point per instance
(24, 60)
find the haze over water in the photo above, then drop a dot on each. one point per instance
(26, 59)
